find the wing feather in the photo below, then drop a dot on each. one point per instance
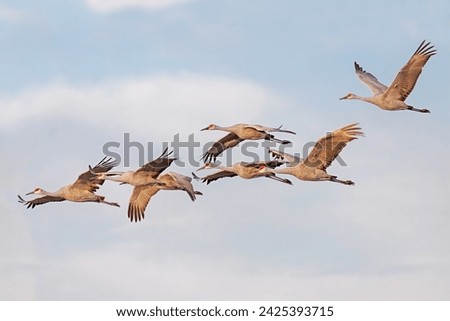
(228, 141)
(276, 154)
(370, 80)
(157, 166)
(271, 164)
(328, 148)
(182, 182)
(39, 201)
(270, 129)
(88, 180)
(140, 197)
(215, 176)
(406, 79)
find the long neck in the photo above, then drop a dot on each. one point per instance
(226, 168)
(123, 177)
(57, 193)
(235, 129)
(367, 99)
(284, 170)
(225, 129)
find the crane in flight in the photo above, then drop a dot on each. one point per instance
(143, 176)
(394, 96)
(147, 181)
(326, 149)
(243, 170)
(142, 194)
(238, 133)
(82, 190)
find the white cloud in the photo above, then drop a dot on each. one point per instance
(107, 6)
(10, 14)
(166, 104)
(16, 257)
(384, 238)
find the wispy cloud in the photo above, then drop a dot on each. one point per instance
(107, 6)
(378, 240)
(10, 14)
(174, 102)
(152, 111)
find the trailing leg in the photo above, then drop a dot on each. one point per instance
(279, 179)
(111, 203)
(101, 199)
(347, 182)
(418, 109)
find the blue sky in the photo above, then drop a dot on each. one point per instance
(78, 74)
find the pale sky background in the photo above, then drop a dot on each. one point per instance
(76, 74)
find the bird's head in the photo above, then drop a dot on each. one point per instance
(37, 190)
(348, 96)
(210, 127)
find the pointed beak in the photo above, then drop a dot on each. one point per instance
(206, 166)
(30, 193)
(206, 128)
(345, 97)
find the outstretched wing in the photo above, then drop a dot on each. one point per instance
(270, 164)
(39, 201)
(328, 148)
(215, 176)
(157, 166)
(88, 180)
(270, 129)
(370, 80)
(182, 182)
(276, 154)
(217, 148)
(406, 79)
(139, 200)
(264, 168)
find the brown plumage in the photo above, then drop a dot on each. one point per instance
(324, 152)
(145, 175)
(243, 170)
(142, 195)
(82, 190)
(228, 141)
(238, 133)
(394, 96)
